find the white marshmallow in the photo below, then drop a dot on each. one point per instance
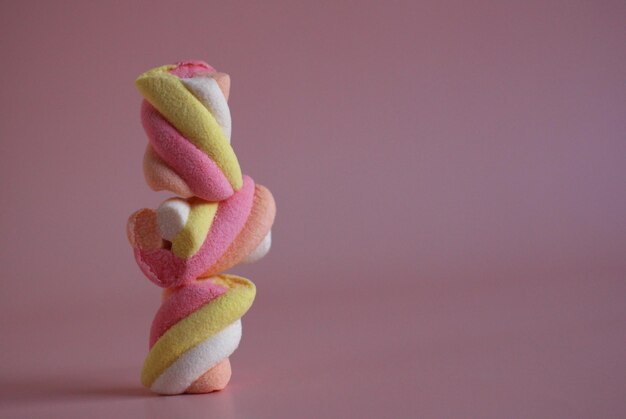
(208, 92)
(172, 216)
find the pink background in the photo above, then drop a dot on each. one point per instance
(450, 180)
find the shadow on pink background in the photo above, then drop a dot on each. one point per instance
(450, 180)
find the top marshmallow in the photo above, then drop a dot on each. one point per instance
(186, 117)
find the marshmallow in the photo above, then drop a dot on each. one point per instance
(187, 120)
(197, 327)
(211, 238)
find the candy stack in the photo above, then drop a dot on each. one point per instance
(219, 218)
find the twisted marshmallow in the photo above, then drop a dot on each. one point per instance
(211, 238)
(187, 121)
(194, 332)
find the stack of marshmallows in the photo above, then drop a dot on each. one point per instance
(218, 219)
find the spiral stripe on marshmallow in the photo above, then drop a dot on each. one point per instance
(201, 175)
(208, 92)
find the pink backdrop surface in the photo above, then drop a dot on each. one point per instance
(450, 180)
